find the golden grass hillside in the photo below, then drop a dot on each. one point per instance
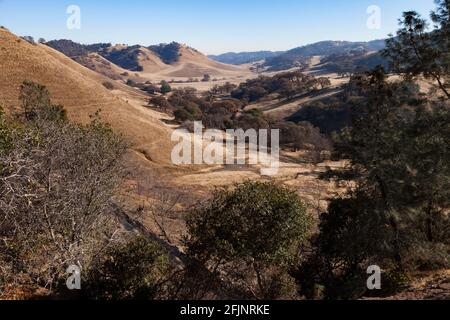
(191, 64)
(82, 93)
(97, 63)
(195, 64)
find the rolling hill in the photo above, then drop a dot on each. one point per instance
(171, 60)
(81, 92)
(134, 58)
(97, 63)
(87, 55)
(192, 63)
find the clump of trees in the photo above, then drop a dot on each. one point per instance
(396, 215)
(160, 103)
(332, 114)
(230, 113)
(169, 53)
(287, 85)
(223, 114)
(225, 89)
(75, 50)
(329, 115)
(303, 136)
(127, 58)
(148, 87)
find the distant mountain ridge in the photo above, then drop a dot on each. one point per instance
(324, 48)
(297, 57)
(244, 57)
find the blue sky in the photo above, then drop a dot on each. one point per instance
(213, 26)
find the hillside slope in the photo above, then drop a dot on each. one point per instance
(97, 63)
(192, 63)
(163, 61)
(135, 58)
(81, 92)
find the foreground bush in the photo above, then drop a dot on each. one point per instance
(249, 235)
(132, 269)
(57, 180)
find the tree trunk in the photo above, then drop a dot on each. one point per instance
(392, 222)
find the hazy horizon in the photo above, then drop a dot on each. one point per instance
(211, 27)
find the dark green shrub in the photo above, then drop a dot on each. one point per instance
(182, 115)
(160, 102)
(165, 87)
(108, 85)
(250, 234)
(133, 269)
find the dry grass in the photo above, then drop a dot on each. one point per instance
(102, 66)
(191, 64)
